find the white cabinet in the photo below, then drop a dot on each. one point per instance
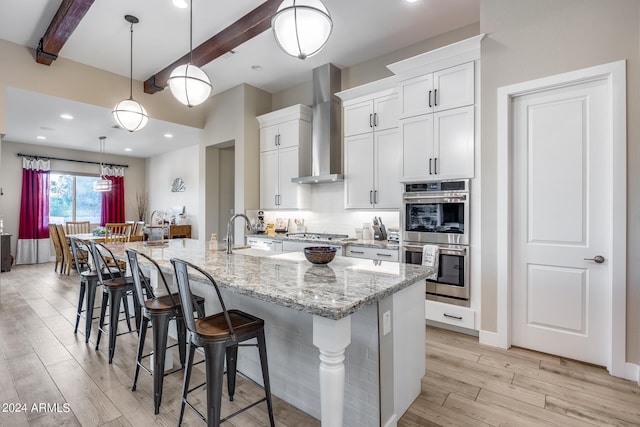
(372, 146)
(372, 170)
(378, 254)
(285, 144)
(438, 146)
(370, 115)
(463, 317)
(442, 90)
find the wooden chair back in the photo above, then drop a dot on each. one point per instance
(117, 232)
(78, 227)
(53, 234)
(66, 250)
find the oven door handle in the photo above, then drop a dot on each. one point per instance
(445, 251)
(439, 198)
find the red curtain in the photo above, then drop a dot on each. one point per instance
(33, 230)
(113, 201)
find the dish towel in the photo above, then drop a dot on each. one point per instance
(431, 258)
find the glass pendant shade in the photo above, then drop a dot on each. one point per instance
(102, 186)
(189, 84)
(130, 115)
(302, 27)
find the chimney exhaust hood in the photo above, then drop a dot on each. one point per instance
(326, 144)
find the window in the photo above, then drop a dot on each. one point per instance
(71, 198)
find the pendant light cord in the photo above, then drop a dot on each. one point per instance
(131, 64)
(191, 33)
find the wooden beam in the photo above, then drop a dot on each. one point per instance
(63, 24)
(245, 28)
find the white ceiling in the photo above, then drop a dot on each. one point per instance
(363, 29)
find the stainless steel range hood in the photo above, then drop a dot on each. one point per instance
(326, 145)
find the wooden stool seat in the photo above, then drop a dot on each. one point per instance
(163, 303)
(215, 327)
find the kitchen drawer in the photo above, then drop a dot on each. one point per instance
(450, 314)
(372, 253)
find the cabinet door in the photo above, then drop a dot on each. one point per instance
(358, 118)
(416, 96)
(288, 163)
(386, 110)
(268, 139)
(358, 165)
(387, 166)
(454, 87)
(288, 134)
(417, 147)
(454, 139)
(268, 179)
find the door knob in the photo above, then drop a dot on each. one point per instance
(599, 259)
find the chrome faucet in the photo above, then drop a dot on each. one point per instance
(229, 235)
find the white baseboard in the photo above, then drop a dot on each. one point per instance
(631, 372)
(392, 422)
(491, 338)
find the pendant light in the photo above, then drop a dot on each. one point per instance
(102, 185)
(302, 27)
(129, 113)
(188, 83)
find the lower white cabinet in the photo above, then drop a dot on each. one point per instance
(463, 317)
(378, 254)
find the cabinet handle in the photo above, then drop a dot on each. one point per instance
(430, 100)
(275, 199)
(279, 200)
(430, 172)
(370, 120)
(435, 97)
(452, 316)
(375, 119)
(375, 196)
(371, 197)
(435, 166)
(387, 255)
(356, 252)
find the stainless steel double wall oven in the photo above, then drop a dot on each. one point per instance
(437, 213)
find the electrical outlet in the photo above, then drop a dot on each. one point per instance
(386, 322)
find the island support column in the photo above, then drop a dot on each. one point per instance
(332, 338)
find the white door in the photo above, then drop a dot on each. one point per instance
(288, 168)
(358, 118)
(417, 147)
(386, 112)
(388, 161)
(358, 169)
(453, 146)
(562, 213)
(268, 179)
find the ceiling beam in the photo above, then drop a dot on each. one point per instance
(63, 24)
(245, 28)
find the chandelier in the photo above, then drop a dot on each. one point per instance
(302, 27)
(102, 185)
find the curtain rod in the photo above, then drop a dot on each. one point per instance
(70, 160)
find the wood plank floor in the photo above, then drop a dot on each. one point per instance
(466, 384)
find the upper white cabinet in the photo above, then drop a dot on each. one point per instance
(372, 146)
(285, 144)
(371, 114)
(438, 92)
(442, 90)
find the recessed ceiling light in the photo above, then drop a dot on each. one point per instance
(66, 116)
(182, 4)
(256, 67)
(127, 149)
(41, 137)
(168, 135)
(411, 1)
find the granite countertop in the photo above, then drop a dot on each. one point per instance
(333, 291)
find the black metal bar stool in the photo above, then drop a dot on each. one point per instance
(88, 283)
(116, 286)
(159, 310)
(220, 335)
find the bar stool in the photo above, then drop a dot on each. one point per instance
(88, 283)
(116, 287)
(158, 310)
(220, 335)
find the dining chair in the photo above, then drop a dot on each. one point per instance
(117, 232)
(78, 227)
(67, 257)
(53, 234)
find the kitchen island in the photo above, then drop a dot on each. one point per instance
(366, 319)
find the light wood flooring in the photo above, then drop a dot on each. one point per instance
(466, 384)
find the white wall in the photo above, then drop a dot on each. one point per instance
(162, 170)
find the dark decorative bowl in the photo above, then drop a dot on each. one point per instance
(320, 254)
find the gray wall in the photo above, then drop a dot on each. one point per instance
(532, 39)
